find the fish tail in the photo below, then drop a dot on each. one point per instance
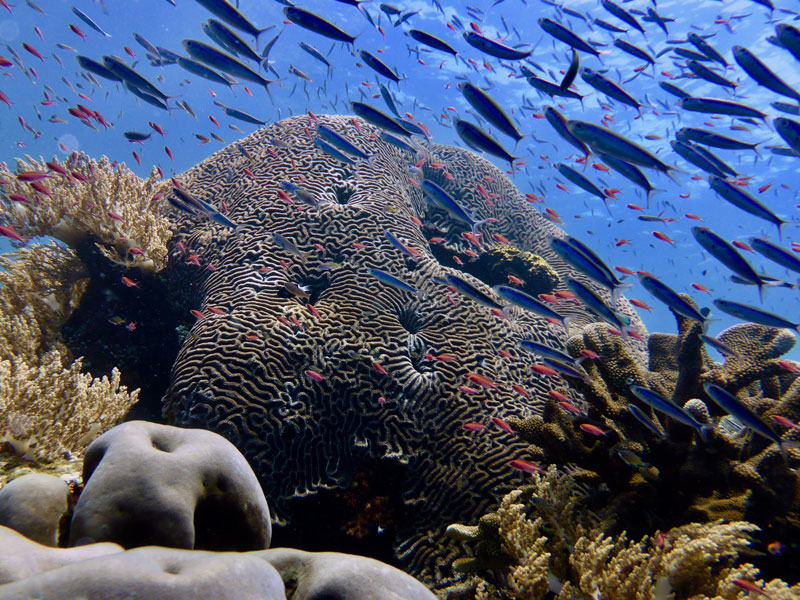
(477, 224)
(785, 445)
(615, 293)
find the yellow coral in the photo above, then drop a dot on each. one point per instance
(47, 406)
(693, 562)
(105, 200)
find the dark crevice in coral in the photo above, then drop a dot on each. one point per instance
(360, 519)
(412, 318)
(132, 328)
(343, 193)
(417, 350)
(313, 283)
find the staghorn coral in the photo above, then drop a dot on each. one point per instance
(577, 561)
(48, 407)
(242, 373)
(98, 199)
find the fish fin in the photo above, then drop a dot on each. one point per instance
(785, 445)
(704, 431)
(615, 293)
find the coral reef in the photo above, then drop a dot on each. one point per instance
(82, 197)
(733, 475)
(313, 384)
(149, 484)
(541, 539)
(48, 406)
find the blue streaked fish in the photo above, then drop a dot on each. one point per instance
(669, 297)
(728, 256)
(339, 142)
(393, 281)
(723, 349)
(602, 139)
(471, 292)
(308, 20)
(477, 139)
(486, 106)
(86, 19)
(378, 118)
(639, 415)
(231, 15)
(762, 75)
(595, 304)
(289, 246)
(744, 201)
(776, 254)
(529, 303)
(734, 407)
(754, 315)
(445, 201)
(494, 48)
(669, 408)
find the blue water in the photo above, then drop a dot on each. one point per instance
(428, 92)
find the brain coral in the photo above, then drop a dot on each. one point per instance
(248, 369)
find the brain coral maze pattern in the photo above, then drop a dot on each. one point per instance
(248, 369)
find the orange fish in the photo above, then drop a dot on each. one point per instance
(474, 426)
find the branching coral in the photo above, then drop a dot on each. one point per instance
(83, 197)
(695, 561)
(47, 406)
(733, 474)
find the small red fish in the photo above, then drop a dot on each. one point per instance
(129, 282)
(131, 326)
(515, 280)
(742, 246)
(10, 233)
(663, 237)
(701, 288)
(503, 425)
(197, 314)
(639, 304)
(468, 390)
(311, 374)
(474, 426)
(521, 390)
(216, 311)
(545, 370)
(781, 420)
(594, 429)
(33, 51)
(169, 152)
(481, 381)
(524, 465)
(379, 368)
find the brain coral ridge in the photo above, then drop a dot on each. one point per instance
(313, 385)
